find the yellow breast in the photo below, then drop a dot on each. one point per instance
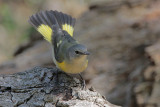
(75, 66)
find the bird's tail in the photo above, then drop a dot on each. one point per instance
(44, 20)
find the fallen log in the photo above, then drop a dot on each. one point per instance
(45, 87)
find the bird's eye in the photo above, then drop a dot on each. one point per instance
(77, 52)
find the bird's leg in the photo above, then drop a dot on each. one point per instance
(83, 82)
(58, 71)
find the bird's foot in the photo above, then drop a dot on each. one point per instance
(83, 83)
(57, 72)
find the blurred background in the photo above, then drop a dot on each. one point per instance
(122, 35)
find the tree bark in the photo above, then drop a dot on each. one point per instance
(45, 87)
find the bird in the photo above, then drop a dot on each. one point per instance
(58, 29)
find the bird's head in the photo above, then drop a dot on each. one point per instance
(77, 51)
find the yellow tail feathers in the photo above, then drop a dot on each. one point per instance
(43, 21)
(68, 28)
(46, 31)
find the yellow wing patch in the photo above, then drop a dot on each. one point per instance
(68, 28)
(46, 31)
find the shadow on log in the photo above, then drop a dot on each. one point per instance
(43, 87)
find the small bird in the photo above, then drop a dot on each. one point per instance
(57, 28)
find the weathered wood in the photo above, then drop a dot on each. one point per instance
(45, 87)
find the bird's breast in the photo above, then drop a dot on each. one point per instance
(75, 66)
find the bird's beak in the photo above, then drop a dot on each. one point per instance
(86, 53)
